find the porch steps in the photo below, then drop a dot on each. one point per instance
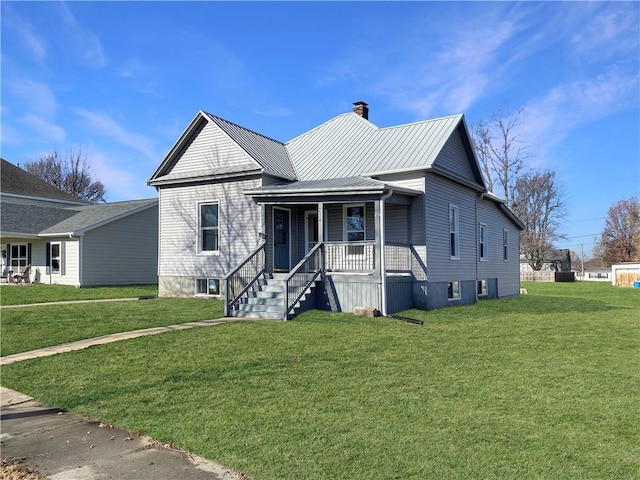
(266, 299)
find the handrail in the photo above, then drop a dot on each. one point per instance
(245, 280)
(300, 288)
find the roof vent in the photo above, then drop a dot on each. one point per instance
(362, 109)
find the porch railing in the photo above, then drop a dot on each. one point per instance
(241, 278)
(350, 257)
(302, 276)
(401, 259)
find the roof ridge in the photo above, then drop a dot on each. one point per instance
(215, 117)
(419, 122)
(317, 127)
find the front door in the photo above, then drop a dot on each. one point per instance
(310, 229)
(281, 244)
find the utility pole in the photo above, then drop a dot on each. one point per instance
(582, 260)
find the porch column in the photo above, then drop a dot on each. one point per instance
(379, 253)
(320, 222)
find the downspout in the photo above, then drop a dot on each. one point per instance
(383, 271)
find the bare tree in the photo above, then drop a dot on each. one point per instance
(538, 200)
(500, 151)
(71, 173)
(620, 239)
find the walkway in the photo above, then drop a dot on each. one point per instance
(66, 446)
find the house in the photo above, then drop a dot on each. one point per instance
(347, 214)
(71, 242)
(556, 260)
(626, 274)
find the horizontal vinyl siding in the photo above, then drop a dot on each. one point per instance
(210, 150)
(439, 195)
(413, 180)
(69, 259)
(240, 223)
(453, 157)
(507, 273)
(123, 252)
(396, 219)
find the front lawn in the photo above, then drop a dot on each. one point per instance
(29, 328)
(36, 293)
(542, 386)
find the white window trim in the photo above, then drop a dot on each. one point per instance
(345, 233)
(199, 230)
(482, 282)
(207, 294)
(459, 289)
(456, 231)
(505, 245)
(60, 259)
(482, 241)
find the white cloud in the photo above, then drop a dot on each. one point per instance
(549, 120)
(48, 130)
(121, 183)
(85, 43)
(37, 96)
(108, 127)
(26, 32)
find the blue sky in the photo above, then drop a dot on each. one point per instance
(122, 80)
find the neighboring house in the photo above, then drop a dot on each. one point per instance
(353, 214)
(69, 241)
(557, 260)
(595, 274)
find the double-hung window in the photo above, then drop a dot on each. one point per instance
(454, 235)
(482, 242)
(209, 230)
(505, 245)
(355, 228)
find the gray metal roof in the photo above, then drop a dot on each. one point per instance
(348, 145)
(348, 184)
(270, 154)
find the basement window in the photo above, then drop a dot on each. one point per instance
(453, 291)
(208, 286)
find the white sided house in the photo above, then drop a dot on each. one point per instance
(67, 241)
(347, 214)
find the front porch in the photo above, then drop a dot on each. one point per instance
(331, 248)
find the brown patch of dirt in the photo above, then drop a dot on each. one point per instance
(13, 469)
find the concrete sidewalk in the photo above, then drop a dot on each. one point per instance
(66, 446)
(115, 337)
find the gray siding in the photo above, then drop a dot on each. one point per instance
(506, 273)
(210, 150)
(439, 195)
(122, 252)
(397, 221)
(413, 179)
(454, 158)
(343, 293)
(240, 224)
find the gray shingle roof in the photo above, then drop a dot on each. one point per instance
(17, 181)
(92, 216)
(31, 220)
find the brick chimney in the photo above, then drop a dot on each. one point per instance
(362, 109)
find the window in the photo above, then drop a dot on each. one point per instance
(355, 228)
(55, 258)
(505, 245)
(482, 288)
(19, 257)
(453, 290)
(454, 241)
(355, 223)
(208, 286)
(483, 242)
(209, 220)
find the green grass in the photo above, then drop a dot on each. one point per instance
(29, 328)
(27, 294)
(542, 386)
